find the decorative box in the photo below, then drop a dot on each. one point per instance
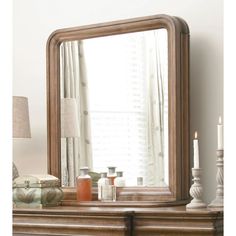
(37, 191)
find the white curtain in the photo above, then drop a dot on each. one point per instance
(75, 152)
(157, 105)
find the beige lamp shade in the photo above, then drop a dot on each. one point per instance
(69, 118)
(21, 123)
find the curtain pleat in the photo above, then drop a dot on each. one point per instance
(156, 75)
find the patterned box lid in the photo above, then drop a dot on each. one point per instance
(36, 181)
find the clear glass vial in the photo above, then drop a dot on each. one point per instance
(108, 192)
(101, 182)
(111, 175)
(119, 181)
(140, 181)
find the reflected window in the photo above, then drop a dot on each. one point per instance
(124, 80)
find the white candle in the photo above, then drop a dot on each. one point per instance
(195, 152)
(220, 135)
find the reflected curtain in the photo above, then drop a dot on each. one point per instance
(156, 57)
(75, 152)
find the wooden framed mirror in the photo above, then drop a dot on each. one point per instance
(108, 52)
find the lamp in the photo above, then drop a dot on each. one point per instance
(21, 123)
(69, 129)
(69, 118)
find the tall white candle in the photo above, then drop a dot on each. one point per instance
(220, 135)
(195, 152)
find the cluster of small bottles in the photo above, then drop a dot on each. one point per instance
(107, 185)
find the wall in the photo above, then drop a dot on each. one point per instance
(34, 21)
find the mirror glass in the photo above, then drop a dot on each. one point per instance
(114, 106)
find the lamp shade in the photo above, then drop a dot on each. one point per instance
(21, 123)
(69, 118)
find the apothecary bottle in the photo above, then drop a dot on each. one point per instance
(84, 185)
(140, 181)
(108, 192)
(102, 182)
(111, 175)
(119, 181)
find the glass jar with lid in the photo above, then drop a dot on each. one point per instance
(111, 175)
(119, 181)
(84, 185)
(102, 182)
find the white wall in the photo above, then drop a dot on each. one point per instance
(33, 22)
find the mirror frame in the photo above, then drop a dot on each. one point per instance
(178, 101)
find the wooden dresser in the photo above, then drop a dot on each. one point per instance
(109, 220)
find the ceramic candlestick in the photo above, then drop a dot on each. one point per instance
(218, 202)
(196, 191)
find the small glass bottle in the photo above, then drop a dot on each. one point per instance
(140, 181)
(119, 181)
(108, 192)
(101, 182)
(84, 185)
(111, 175)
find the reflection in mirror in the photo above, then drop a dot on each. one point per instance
(114, 106)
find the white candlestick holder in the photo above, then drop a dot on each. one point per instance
(218, 202)
(196, 191)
